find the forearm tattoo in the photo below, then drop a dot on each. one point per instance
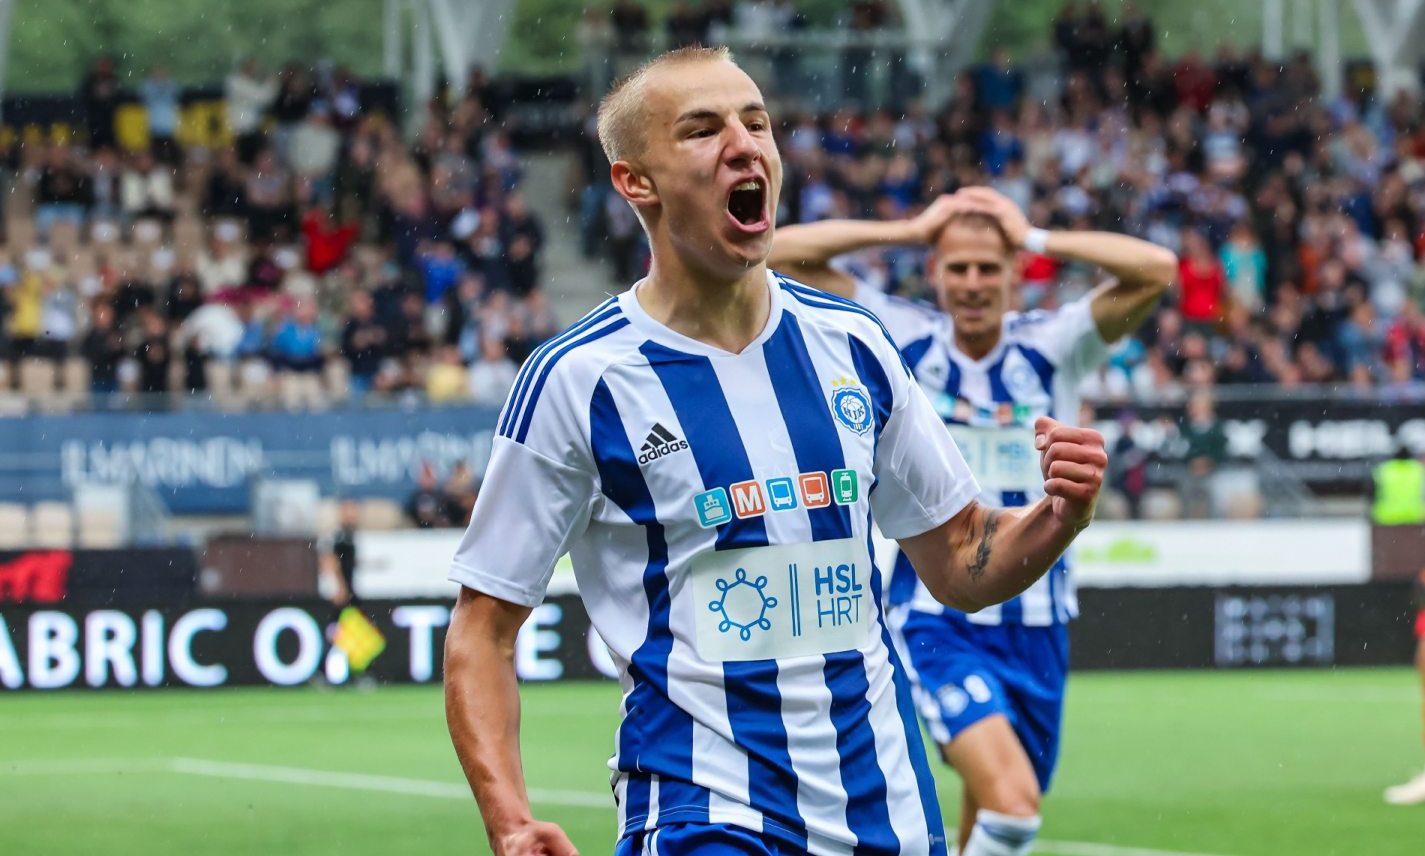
(977, 565)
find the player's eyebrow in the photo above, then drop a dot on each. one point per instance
(702, 113)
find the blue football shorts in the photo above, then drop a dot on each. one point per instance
(965, 672)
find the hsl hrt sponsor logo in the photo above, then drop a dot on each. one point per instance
(838, 594)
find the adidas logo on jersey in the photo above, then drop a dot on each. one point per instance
(660, 442)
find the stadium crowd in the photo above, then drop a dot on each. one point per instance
(1299, 219)
(314, 254)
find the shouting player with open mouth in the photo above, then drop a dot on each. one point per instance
(764, 710)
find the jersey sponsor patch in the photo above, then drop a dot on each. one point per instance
(786, 600)
(785, 493)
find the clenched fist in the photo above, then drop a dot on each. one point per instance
(534, 839)
(1073, 461)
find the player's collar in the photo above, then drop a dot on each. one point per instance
(947, 340)
(648, 326)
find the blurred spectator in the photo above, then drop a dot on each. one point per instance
(296, 343)
(428, 507)
(315, 146)
(248, 96)
(1245, 267)
(26, 306)
(1128, 465)
(59, 318)
(99, 93)
(159, 93)
(493, 375)
(226, 190)
(1201, 281)
(522, 237)
(103, 349)
(64, 191)
(327, 242)
(1205, 449)
(154, 356)
(363, 343)
(296, 353)
(998, 84)
(292, 105)
(268, 198)
(146, 189)
(446, 379)
(461, 491)
(440, 270)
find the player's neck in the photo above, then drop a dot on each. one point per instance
(977, 347)
(726, 315)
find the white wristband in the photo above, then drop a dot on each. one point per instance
(1036, 240)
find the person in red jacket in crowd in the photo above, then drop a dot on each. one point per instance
(1202, 282)
(327, 241)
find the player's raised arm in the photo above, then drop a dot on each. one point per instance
(804, 252)
(1141, 272)
(482, 710)
(984, 556)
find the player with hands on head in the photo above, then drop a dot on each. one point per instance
(990, 682)
(704, 445)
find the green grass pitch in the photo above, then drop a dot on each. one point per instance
(1154, 764)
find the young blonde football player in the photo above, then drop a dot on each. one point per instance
(727, 566)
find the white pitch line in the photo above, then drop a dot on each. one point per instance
(423, 788)
(368, 782)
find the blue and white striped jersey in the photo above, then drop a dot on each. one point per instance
(990, 406)
(717, 508)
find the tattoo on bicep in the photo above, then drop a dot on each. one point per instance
(977, 565)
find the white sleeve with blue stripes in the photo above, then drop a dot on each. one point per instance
(534, 502)
(922, 480)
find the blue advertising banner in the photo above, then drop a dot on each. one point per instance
(205, 463)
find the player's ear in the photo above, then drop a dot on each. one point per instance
(633, 185)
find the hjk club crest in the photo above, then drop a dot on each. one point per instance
(850, 405)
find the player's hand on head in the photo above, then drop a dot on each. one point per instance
(1073, 461)
(987, 200)
(928, 223)
(535, 838)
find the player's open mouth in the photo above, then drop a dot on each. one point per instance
(747, 205)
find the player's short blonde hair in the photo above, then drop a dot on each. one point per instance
(621, 118)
